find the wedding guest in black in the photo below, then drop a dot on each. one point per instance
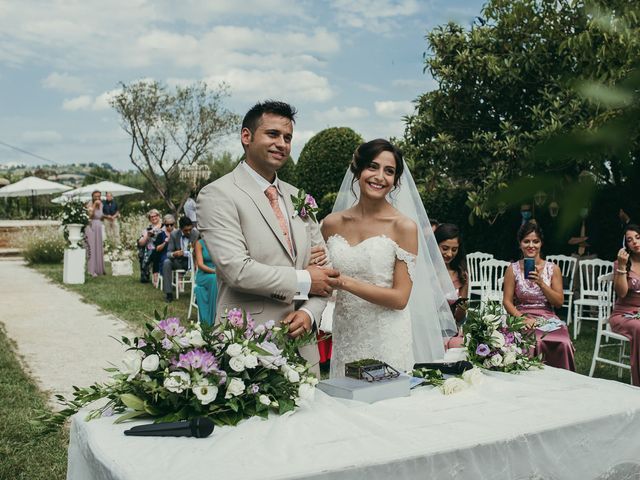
(179, 253)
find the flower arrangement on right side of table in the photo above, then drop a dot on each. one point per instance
(499, 342)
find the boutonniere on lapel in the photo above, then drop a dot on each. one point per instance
(305, 205)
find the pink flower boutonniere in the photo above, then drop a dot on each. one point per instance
(305, 205)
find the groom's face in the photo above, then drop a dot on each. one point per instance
(268, 148)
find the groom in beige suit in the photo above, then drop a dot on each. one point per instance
(260, 245)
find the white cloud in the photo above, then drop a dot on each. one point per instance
(287, 85)
(373, 15)
(88, 102)
(393, 109)
(337, 116)
(64, 82)
(43, 137)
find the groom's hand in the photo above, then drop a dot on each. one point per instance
(299, 322)
(321, 279)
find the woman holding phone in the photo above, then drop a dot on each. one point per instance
(535, 295)
(624, 318)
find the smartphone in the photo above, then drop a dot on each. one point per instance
(529, 266)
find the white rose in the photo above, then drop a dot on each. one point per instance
(195, 338)
(205, 393)
(235, 387)
(473, 376)
(306, 391)
(311, 380)
(496, 360)
(293, 376)
(131, 363)
(250, 361)
(454, 385)
(510, 358)
(177, 382)
(487, 363)
(264, 400)
(237, 363)
(234, 350)
(259, 330)
(151, 363)
(183, 342)
(497, 339)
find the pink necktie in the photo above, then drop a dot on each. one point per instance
(272, 195)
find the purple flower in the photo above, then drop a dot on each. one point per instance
(482, 350)
(309, 200)
(254, 388)
(303, 212)
(141, 343)
(270, 324)
(235, 317)
(166, 343)
(198, 359)
(509, 337)
(171, 327)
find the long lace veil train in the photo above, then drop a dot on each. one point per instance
(431, 317)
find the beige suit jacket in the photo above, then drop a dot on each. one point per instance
(254, 267)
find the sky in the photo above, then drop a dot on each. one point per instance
(354, 63)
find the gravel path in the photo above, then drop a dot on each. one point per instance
(63, 341)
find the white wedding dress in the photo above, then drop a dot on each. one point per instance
(362, 329)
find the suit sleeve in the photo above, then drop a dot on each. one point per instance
(219, 224)
(316, 305)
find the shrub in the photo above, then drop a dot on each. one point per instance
(323, 163)
(288, 172)
(45, 246)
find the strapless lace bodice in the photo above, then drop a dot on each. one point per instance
(362, 329)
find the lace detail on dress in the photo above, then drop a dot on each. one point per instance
(362, 329)
(527, 292)
(409, 259)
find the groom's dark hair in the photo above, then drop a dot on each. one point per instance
(252, 119)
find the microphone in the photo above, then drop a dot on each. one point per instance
(197, 427)
(450, 368)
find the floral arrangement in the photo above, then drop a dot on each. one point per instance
(499, 342)
(117, 253)
(305, 205)
(74, 211)
(173, 372)
(452, 384)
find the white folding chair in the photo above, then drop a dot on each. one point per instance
(567, 267)
(181, 278)
(607, 299)
(492, 274)
(473, 269)
(589, 294)
(192, 301)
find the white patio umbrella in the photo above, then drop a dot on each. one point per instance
(84, 193)
(32, 186)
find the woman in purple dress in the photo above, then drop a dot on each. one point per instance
(93, 236)
(535, 296)
(625, 318)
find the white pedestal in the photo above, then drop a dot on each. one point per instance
(121, 268)
(74, 263)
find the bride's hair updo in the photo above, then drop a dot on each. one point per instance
(367, 152)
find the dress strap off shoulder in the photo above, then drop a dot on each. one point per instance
(409, 259)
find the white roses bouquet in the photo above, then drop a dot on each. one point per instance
(173, 372)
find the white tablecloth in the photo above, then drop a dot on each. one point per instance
(549, 424)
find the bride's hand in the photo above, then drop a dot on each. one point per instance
(318, 256)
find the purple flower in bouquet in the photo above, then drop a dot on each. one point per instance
(309, 200)
(141, 343)
(269, 324)
(235, 317)
(166, 343)
(198, 359)
(254, 388)
(171, 327)
(305, 205)
(482, 350)
(509, 337)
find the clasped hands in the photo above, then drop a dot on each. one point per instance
(323, 279)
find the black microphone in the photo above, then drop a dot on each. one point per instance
(197, 427)
(450, 368)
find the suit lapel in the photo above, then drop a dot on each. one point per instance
(248, 185)
(298, 229)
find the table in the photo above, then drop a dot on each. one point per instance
(547, 424)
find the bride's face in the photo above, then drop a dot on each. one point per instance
(377, 179)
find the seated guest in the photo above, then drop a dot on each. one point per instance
(535, 296)
(146, 246)
(624, 318)
(178, 254)
(206, 286)
(450, 245)
(162, 241)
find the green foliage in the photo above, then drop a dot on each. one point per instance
(44, 246)
(324, 161)
(526, 71)
(171, 129)
(220, 165)
(287, 172)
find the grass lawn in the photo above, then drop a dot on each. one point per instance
(124, 297)
(23, 454)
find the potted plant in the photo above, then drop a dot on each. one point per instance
(74, 217)
(120, 259)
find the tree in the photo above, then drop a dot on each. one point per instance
(170, 130)
(512, 80)
(323, 163)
